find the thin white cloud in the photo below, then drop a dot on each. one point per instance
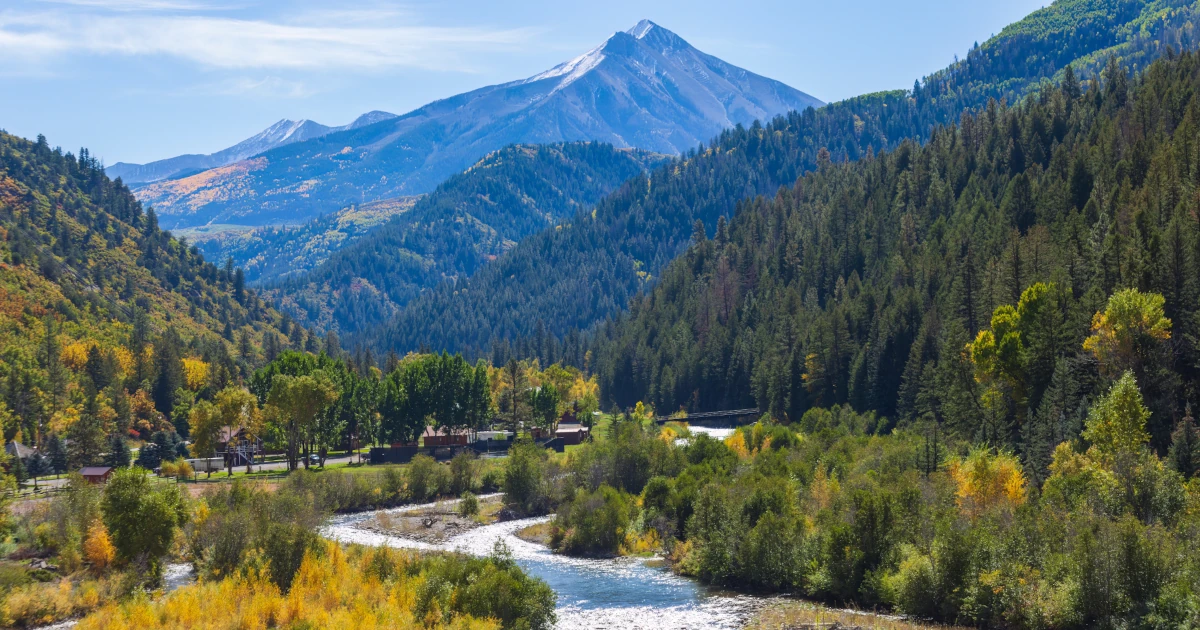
(266, 87)
(137, 5)
(341, 40)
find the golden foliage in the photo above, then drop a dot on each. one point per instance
(1130, 318)
(98, 549)
(987, 481)
(824, 488)
(737, 444)
(74, 355)
(195, 373)
(335, 590)
(641, 544)
(124, 359)
(45, 603)
(63, 419)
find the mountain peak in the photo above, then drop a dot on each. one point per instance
(642, 28)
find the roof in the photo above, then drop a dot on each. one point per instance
(18, 449)
(95, 471)
(441, 431)
(570, 428)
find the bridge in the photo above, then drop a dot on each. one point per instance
(728, 414)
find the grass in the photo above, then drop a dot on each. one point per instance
(341, 468)
(799, 614)
(538, 533)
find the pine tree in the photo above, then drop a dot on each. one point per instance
(168, 371)
(18, 470)
(1184, 454)
(118, 455)
(56, 376)
(57, 451)
(932, 450)
(86, 436)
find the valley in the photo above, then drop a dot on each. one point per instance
(645, 340)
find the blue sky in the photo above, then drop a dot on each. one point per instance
(138, 80)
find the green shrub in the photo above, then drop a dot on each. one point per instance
(593, 523)
(492, 587)
(393, 482)
(142, 517)
(426, 478)
(492, 480)
(464, 472)
(525, 486)
(468, 506)
(284, 546)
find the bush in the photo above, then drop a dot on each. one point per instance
(464, 470)
(426, 478)
(98, 549)
(393, 482)
(284, 548)
(524, 479)
(142, 517)
(168, 469)
(184, 470)
(468, 506)
(594, 523)
(493, 587)
(492, 480)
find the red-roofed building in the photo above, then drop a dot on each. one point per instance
(96, 474)
(443, 437)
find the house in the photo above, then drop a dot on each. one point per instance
(236, 444)
(444, 437)
(96, 474)
(18, 450)
(572, 433)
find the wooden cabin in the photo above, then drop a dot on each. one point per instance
(96, 474)
(572, 433)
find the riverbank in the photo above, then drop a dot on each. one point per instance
(538, 533)
(432, 524)
(785, 613)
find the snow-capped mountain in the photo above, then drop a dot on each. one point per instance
(279, 134)
(645, 88)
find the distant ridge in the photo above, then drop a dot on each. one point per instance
(644, 88)
(279, 134)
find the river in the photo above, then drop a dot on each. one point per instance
(625, 593)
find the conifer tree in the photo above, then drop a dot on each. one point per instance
(57, 451)
(1184, 455)
(118, 455)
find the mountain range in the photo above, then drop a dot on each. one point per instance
(279, 134)
(644, 88)
(587, 269)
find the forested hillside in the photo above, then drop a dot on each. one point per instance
(978, 365)
(469, 220)
(109, 326)
(995, 280)
(587, 270)
(270, 253)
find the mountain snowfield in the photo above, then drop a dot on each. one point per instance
(279, 134)
(644, 88)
